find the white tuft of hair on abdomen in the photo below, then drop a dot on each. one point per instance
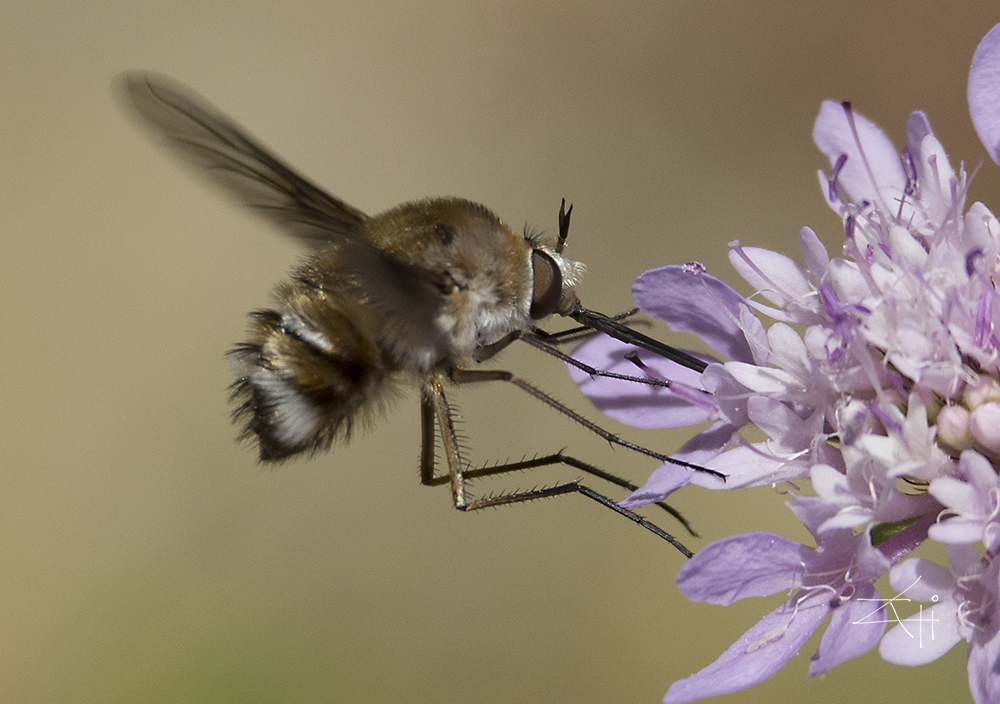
(296, 418)
(309, 335)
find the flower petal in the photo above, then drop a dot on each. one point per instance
(816, 256)
(921, 580)
(984, 678)
(640, 405)
(779, 278)
(689, 300)
(782, 424)
(741, 566)
(757, 655)
(665, 480)
(954, 493)
(835, 137)
(751, 466)
(669, 477)
(922, 638)
(935, 176)
(984, 92)
(855, 629)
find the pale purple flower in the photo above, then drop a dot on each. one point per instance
(836, 577)
(973, 504)
(964, 599)
(932, 632)
(875, 375)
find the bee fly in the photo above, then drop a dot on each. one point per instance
(417, 292)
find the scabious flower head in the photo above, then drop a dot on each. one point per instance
(876, 375)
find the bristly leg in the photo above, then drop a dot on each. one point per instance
(435, 411)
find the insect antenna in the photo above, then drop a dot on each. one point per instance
(593, 320)
(564, 216)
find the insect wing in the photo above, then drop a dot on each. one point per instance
(235, 160)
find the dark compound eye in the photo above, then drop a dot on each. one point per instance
(548, 284)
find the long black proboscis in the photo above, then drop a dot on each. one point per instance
(602, 323)
(609, 326)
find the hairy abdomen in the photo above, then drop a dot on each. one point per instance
(308, 372)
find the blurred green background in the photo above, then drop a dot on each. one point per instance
(146, 557)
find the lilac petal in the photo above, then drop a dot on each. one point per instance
(847, 280)
(689, 300)
(984, 665)
(869, 562)
(855, 629)
(917, 127)
(640, 405)
(847, 518)
(972, 501)
(728, 393)
(782, 424)
(755, 334)
(984, 643)
(757, 655)
(923, 637)
(763, 380)
(779, 278)
(984, 92)
(746, 467)
(979, 470)
(963, 560)
(935, 178)
(742, 566)
(665, 480)
(921, 580)
(834, 136)
(812, 511)
(830, 485)
(815, 254)
(669, 477)
(901, 506)
(707, 444)
(956, 532)
(954, 493)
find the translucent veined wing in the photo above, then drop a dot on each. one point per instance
(232, 158)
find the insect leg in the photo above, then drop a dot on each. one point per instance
(542, 343)
(574, 334)
(436, 410)
(576, 487)
(427, 443)
(464, 376)
(562, 458)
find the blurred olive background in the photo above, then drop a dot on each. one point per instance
(146, 557)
